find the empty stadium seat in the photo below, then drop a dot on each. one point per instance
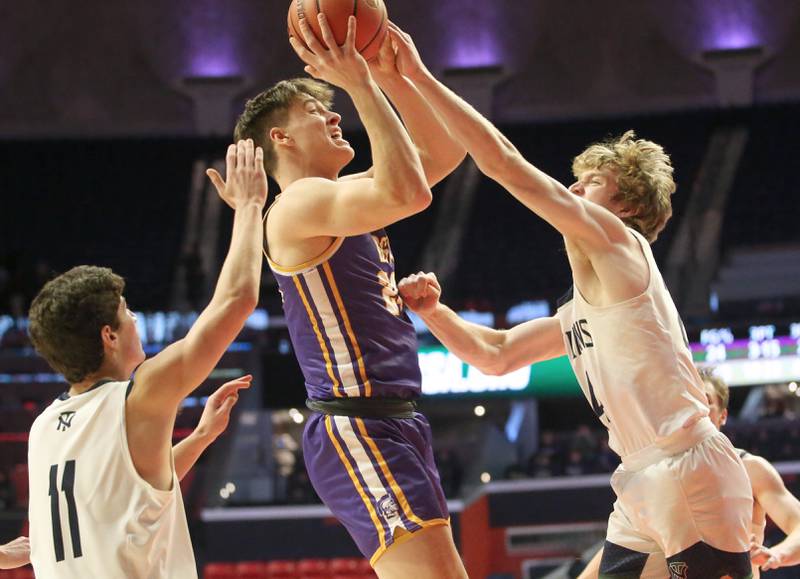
(251, 570)
(312, 568)
(282, 569)
(219, 571)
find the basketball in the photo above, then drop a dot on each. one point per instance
(371, 17)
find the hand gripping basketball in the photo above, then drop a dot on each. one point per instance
(420, 292)
(342, 65)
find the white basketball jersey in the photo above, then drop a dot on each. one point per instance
(633, 363)
(91, 514)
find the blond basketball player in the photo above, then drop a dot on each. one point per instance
(104, 494)
(770, 498)
(681, 487)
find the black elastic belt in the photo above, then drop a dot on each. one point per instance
(365, 407)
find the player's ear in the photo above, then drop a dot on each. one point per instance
(280, 136)
(109, 337)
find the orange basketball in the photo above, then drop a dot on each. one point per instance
(371, 18)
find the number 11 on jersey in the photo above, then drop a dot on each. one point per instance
(68, 488)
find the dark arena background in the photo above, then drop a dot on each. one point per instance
(111, 111)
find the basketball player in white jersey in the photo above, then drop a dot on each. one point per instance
(681, 488)
(770, 498)
(213, 422)
(104, 494)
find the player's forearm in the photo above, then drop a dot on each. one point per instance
(592, 569)
(489, 148)
(188, 450)
(398, 171)
(239, 279)
(788, 550)
(474, 344)
(439, 151)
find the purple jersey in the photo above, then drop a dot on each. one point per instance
(348, 326)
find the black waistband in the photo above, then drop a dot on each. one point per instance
(365, 407)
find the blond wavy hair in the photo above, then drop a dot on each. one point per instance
(644, 179)
(721, 389)
(271, 109)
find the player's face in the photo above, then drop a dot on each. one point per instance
(131, 352)
(716, 413)
(598, 186)
(315, 131)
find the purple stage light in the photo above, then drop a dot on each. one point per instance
(731, 24)
(214, 38)
(473, 33)
(477, 50)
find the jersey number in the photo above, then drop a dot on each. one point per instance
(597, 406)
(391, 297)
(68, 488)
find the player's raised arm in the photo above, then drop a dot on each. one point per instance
(585, 223)
(439, 151)
(783, 508)
(398, 188)
(493, 352)
(164, 380)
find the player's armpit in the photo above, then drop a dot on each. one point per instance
(316, 207)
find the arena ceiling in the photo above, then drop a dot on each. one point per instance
(95, 68)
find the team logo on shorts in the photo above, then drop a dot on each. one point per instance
(388, 508)
(678, 570)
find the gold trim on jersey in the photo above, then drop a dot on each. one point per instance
(320, 339)
(311, 263)
(346, 319)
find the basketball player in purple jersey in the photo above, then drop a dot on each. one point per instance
(368, 453)
(681, 489)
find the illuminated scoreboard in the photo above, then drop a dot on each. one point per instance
(751, 355)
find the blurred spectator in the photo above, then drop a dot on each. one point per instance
(576, 464)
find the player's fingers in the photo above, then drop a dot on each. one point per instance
(386, 52)
(241, 154)
(350, 39)
(249, 153)
(311, 40)
(259, 159)
(327, 34)
(312, 71)
(216, 180)
(230, 161)
(303, 52)
(230, 402)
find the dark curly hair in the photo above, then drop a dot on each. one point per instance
(271, 109)
(67, 315)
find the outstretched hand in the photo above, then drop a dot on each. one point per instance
(15, 554)
(420, 292)
(217, 412)
(342, 65)
(245, 178)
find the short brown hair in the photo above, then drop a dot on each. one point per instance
(644, 179)
(67, 315)
(720, 388)
(271, 108)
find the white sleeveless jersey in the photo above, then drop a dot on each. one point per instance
(91, 515)
(633, 363)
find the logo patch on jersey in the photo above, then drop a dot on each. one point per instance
(678, 570)
(65, 420)
(388, 508)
